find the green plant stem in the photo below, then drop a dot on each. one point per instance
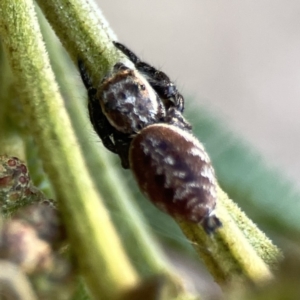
(263, 246)
(223, 253)
(14, 139)
(10, 142)
(142, 246)
(96, 245)
(227, 253)
(84, 33)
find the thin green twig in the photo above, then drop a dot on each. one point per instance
(140, 242)
(99, 249)
(228, 254)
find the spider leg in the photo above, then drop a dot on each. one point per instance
(98, 119)
(101, 125)
(174, 117)
(122, 142)
(163, 85)
(127, 52)
(84, 75)
(179, 102)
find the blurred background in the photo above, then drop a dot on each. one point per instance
(240, 59)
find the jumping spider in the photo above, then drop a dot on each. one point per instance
(137, 115)
(123, 104)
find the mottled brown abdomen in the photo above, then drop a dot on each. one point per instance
(175, 173)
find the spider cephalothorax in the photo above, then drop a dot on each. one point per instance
(138, 115)
(159, 81)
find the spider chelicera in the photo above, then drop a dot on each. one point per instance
(137, 113)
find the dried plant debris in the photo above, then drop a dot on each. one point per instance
(16, 188)
(33, 238)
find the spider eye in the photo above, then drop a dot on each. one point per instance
(142, 87)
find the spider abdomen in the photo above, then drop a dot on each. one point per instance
(173, 170)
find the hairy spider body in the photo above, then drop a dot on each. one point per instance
(122, 105)
(128, 102)
(145, 127)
